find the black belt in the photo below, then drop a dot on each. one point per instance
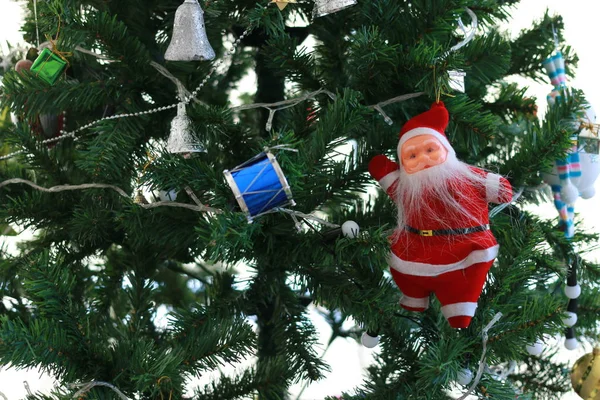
(439, 232)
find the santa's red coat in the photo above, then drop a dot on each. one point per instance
(418, 255)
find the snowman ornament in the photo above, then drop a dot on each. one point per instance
(575, 175)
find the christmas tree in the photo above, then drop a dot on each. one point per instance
(129, 159)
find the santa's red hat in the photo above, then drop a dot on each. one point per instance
(432, 122)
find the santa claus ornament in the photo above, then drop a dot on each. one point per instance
(442, 243)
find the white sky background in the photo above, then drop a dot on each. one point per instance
(345, 357)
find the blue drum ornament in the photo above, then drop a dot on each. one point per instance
(259, 185)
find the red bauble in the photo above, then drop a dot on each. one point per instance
(48, 126)
(23, 65)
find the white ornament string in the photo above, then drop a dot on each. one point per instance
(85, 387)
(161, 69)
(482, 365)
(471, 35)
(556, 41)
(501, 207)
(91, 53)
(379, 106)
(269, 106)
(199, 207)
(307, 216)
(274, 107)
(181, 89)
(37, 29)
(27, 388)
(282, 147)
(87, 186)
(468, 37)
(281, 105)
(462, 26)
(297, 223)
(193, 196)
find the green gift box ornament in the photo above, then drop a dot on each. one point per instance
(48, 66)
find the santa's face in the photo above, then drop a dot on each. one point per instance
(422, 152)
(432, 171)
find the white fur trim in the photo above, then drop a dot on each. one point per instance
(415, 302)
(459, 309)
(492, 188)
(422, 269)
(389, 179)
(425, 131)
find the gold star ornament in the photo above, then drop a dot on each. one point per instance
(283, 3)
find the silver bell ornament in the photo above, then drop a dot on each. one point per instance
(325, 7)
(189, 41)
(182, 138)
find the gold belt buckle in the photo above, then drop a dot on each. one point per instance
(426, 233)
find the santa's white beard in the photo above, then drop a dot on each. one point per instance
(443, 182)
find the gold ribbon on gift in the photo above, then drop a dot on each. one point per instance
(61, 54)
